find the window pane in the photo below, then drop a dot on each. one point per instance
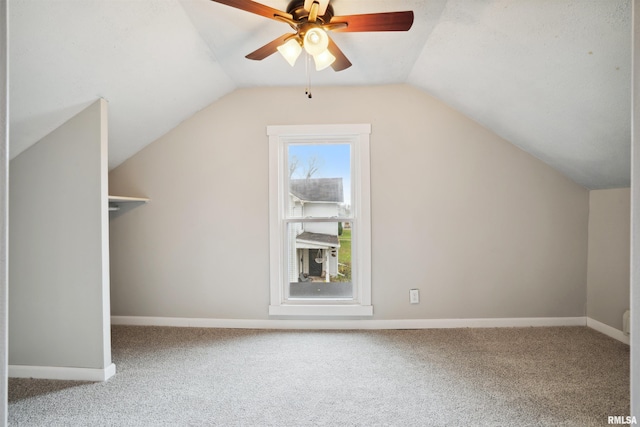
(319, 260)
(319, 180)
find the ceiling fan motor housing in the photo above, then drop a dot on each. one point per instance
(297, 10)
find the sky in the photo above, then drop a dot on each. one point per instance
(335, 162)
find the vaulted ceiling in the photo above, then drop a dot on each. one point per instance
(551, 76)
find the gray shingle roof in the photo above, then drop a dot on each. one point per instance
(327, 239)
(317, 189)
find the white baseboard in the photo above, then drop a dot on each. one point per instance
(608, 330)
(347, 324)
(62, 373)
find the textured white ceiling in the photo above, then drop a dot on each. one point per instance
(551, 76)
(144, 57)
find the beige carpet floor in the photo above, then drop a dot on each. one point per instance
(562, 376)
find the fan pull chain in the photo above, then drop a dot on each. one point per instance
(307, 91)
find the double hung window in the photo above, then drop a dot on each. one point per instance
(320, 227)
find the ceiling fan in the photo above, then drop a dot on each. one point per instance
(311, 20)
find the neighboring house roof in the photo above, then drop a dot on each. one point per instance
(324, 239)
(317, 189)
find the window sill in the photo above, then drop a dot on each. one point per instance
(320, 310)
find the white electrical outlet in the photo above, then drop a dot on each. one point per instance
(414, 296)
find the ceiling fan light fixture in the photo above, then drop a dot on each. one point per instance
(316, 41)
(291, 50)
(323, 60)
(311, 19)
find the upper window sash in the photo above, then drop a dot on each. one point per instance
(341, 147)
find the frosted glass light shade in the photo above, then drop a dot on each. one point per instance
(323, 60)
(316, 41)
(290, 51)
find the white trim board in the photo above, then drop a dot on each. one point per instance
(608, 330)
(348, 324)
(62, 373)
(515, 322)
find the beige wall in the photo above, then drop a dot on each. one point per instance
(480, 227)
(58, 248)
(609, 262)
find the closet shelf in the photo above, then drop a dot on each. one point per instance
(115, 201)
(124, 199)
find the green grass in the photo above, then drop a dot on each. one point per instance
(344, 256)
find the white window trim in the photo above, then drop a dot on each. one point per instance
(358, 135)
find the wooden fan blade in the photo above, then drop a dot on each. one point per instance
(341, 61)
(269, 48)
(257, 8)
(386, 21)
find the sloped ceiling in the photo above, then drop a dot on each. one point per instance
(551, 76)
